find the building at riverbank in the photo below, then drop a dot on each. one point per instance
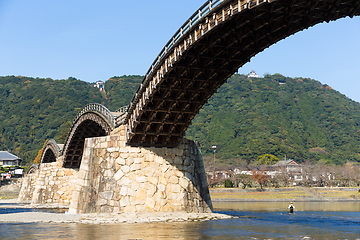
(9, 159)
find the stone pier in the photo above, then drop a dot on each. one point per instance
(114, 177)
(51, 184)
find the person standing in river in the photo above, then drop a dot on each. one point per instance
(291, 207)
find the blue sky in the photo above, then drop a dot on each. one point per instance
(95, 40)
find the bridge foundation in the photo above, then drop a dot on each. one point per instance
(116, 178)
(50, 184)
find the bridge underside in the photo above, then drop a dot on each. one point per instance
(176, 102)
(49, 156)
(89, 125)
(51, 152)
(205, 65)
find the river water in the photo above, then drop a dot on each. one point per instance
(259, 220)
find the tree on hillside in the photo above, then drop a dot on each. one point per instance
(40, 152)
(300, 118)
(64, 131)
(267, 159)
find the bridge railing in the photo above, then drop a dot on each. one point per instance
(96, 107)
(55, 145)
(183, 30)
(203, 20)
(200, 13)
(121, 113)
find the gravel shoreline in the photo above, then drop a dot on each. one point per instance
(31, 216)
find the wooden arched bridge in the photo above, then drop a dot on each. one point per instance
(220, 37)
(94, 120)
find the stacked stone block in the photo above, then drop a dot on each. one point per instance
(50, 184)
(117, 178)
(27, 187)
(114, 177)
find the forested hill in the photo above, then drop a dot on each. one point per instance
(248, 117)
(299, 118)
(33, 110)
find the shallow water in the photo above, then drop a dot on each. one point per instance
(312, 220)
(351, 206)
(7, 208)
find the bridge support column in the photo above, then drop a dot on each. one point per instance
(50, 184)
(117, 178)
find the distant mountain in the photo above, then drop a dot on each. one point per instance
(297, 117)
(248, 117)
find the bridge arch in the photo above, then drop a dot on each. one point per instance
(51, 152)
(219, 37)
(33, 168)
(94, 120)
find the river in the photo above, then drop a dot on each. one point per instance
(256, 220)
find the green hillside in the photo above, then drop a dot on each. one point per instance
(299, 118)
(246, 118)
(33, 110)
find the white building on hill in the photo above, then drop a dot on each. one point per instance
(100, 85)
(253, 74)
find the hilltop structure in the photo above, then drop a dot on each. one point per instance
(252, 74)
(100, 85)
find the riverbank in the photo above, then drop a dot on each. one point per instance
(9, 191)
(14, 212)
(285, 194)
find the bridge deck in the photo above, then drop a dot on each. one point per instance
(218, 39)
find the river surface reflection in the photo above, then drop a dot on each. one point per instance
(259, 220)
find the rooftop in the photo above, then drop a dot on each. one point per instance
(5, 155)
(287, 162)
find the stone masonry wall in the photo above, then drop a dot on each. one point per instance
(115, 178)
(27, 187)
(118, 178)
(49, 184)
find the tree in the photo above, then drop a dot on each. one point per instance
(64, 131)
(267, 159)
(260, 177)
(244, 179)
(283, 177)
(40, 152)
(228, 183)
